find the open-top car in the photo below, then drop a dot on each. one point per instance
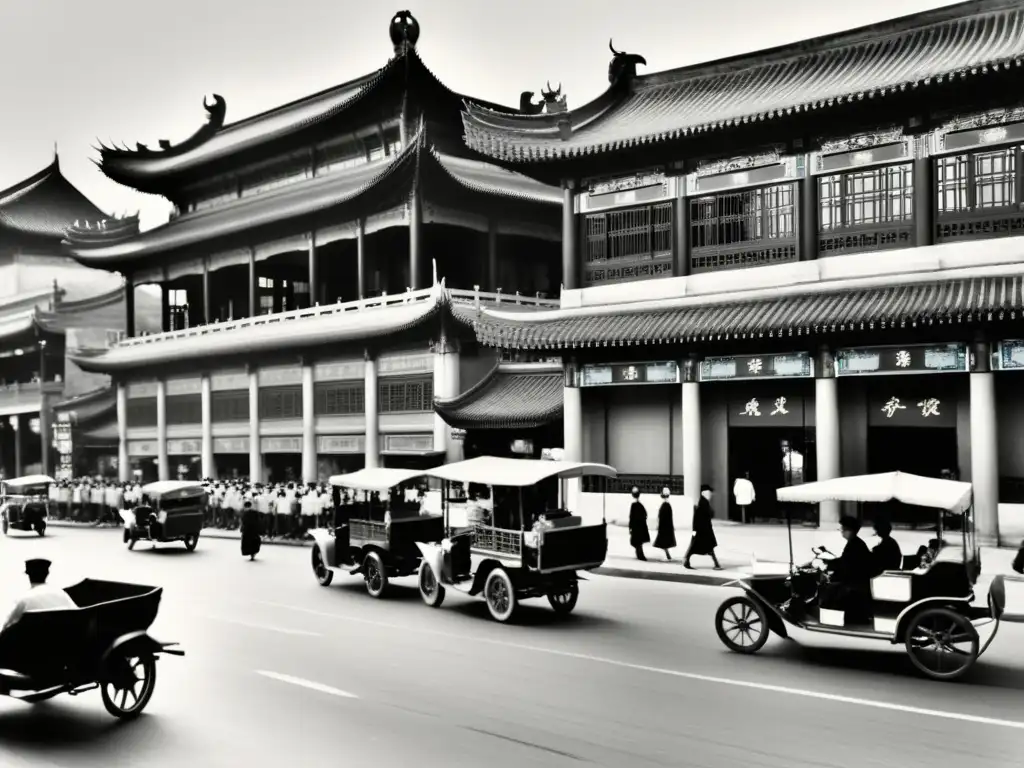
(170, 510)
(23, 503)
(522, 548)
(377, 530)
(102, 643)
(927, 605)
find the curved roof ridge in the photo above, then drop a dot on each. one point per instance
(528, 188)
(469, 394)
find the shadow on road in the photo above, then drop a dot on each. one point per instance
(51, 727)
(168, 551)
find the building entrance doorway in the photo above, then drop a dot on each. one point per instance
(771, 458)
(929, 452)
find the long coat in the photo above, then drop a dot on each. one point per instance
(638, 533)
(666, 538)
(704, 541)
(251, 541)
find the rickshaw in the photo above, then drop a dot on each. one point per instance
(927, 605)
(103, 643)
(525, 550)
(170, 510)
(24, 503)
(376, 535)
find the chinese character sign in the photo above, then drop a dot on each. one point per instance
(769, 410)
(920, 410)
(752, 408)
(892, 405)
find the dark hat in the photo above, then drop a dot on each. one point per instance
(37, 567)
(706, 487)
(247, 504)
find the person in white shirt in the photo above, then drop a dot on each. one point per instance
(40, 597)
(743, 490)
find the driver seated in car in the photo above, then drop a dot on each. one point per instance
(41, 596)
(851, 571)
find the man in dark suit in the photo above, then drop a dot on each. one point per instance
(886, 554)
(851, 571)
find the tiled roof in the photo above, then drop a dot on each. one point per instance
(510, 397)
(100, 435)
(950, 301)
(45, 205)
(25, 325)
(965, 40)
(91, 405)
(479, 176)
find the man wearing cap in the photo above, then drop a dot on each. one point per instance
(41, 596)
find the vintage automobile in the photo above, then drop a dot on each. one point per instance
(23, 503)
(928, 606)
(525, 550)
(103, 643)
(170, 510)
(375, 535)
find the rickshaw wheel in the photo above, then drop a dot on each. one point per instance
(376, 575)
(942, 643)
(742, 625)
(324, 575)
(431, 592)
(500, 595)
(129, 686)
(191, 542)
(564, 600)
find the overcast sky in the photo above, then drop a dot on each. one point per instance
(136, 70)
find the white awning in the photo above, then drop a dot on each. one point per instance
(378, 479)
(901, 486)
(517, 473)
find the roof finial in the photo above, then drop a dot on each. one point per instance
(404, 31)
(56, 155)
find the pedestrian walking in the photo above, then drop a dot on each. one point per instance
(638, 533)
(251, 541)
(666, 538)
(703, 541)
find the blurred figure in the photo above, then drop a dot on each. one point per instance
(251, 541)
(703, 541)
(666, 538)
(638, 532)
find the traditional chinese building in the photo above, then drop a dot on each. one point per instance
(47, 301)
(310, 275)
(794, 264)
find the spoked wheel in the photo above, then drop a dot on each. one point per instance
(500, 595)
(191, 542)
(742, 625)
(942, 643)
(564, 600)
(324, 575)
(376, 575)
(129, 686)
(431, 592)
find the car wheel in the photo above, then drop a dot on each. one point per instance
(376, 575)
(430, 590)
(128, 686)
(742, 625)
(500, 595)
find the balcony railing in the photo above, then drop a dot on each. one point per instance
(424, 296)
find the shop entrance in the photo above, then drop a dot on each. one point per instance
(231, 466)
(283, 467)
(773, 458)
(929, 452)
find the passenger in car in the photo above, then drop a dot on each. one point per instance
(886, 554)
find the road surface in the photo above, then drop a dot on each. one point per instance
(282, 671)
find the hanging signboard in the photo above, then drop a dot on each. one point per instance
(905, 409)
(1011, 355)
(895, 361)
(796, 365)
(614, 374)
(65, 449)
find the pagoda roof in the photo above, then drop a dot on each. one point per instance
(44, 205)
(145, 168)
(353, 192)
(511, 396)
(90, 406)
(26, 327)
(969, 39)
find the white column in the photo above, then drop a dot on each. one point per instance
(826, 428)
(572, 435)
(985, 454)
(162, 467)
(209, 467)
(440, 390)
(255, 454)
(308, 426)
(370, 402)
(690, 442)
(124, 468)
(453, 388)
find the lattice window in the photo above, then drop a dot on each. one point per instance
(230, 406)
(747, 216)
(281, 403)
(340, 398)
(871, 196)
(141, 412)
(977, 181)
(184, 409)
(406, 395)
(630, 233)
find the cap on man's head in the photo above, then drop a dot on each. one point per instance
(706, 487)
(37, 568)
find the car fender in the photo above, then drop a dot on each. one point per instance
(776, 623)
(139, 643)
(482, 572)
(433, 556)
(324, 540)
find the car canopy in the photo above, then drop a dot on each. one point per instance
(919, 491)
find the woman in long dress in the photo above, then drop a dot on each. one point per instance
(638, 532)
(251, 541)
(666, 538)
(703, 541)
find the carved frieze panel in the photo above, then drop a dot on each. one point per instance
(341, 444)
(281, 445)
(226, 381)
(742, 163)
(409, 443)
(184, 447)
(139, 389)
(401, 364)
(142, 448)
(192, 385)
(339, 370)
(277, 376)
(231, 445)
(861, 141)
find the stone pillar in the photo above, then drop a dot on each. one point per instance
(681, 228)
(446, 386)
(924, 194)
(208, 465)
(254, 306)
(572, 432)
(826, 421)
(361, 257)
(690, 442)
(808, 218)
(570, 270)
(163, 468)
(124, 468)
(984, 447)
(165, 308)
(17, 422)
(372, 447)
(415, 239)
(314, 272)
(129, 306)
(255, 454)
(207, 309)
(492, 257)
(308, 424)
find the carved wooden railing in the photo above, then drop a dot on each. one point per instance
(626, 483)
(500, 540)
(865, 238)
(756, 253)
(978, 225)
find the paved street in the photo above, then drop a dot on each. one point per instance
(282, 671)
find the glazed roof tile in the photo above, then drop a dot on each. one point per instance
(45, 205)
(960, 41)
(511, 396)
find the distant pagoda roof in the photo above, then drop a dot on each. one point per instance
(969, 39)
(350, 193)
(151, 169)
(41, 207)
(511, 396)
(25, 328)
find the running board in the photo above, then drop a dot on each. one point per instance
(865, 633)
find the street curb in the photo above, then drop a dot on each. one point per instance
(675, 578)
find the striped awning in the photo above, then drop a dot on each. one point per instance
(511, 396)
(971, 300)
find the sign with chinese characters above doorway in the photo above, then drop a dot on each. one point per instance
(615, 374)
(902, 409)
(796, 365)
(914, 358)
(776, 409)
(1010, 355)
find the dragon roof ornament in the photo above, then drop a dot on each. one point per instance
(215, 114)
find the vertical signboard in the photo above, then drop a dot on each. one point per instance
(65, 448)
